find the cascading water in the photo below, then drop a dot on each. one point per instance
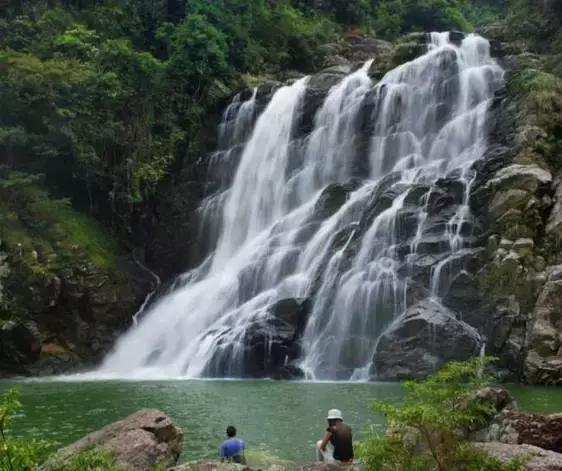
(343, 217)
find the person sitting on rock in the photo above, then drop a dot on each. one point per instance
(232, 449)
(337, 445)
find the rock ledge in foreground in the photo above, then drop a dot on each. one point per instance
(535, 458)
(140, 441)
(216, 466)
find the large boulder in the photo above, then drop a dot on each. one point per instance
(273, 342)
(420, 341)
(533, 457)
(139, 442)
(517, 204)
(269, 346)
(530, 177)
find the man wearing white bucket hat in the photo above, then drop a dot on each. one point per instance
(337, 444)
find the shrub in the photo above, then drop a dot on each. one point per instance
(16, 454)
(425, 428)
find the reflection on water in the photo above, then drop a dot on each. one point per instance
(278, 420)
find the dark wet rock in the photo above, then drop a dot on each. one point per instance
(332, 198)
(439, 200)
(269, 345)
(456, 37)
(420, 341)
(141, 441)
(416, 194)
(419, 266)
(462, 293)
(316, 91)
(173, 244)
(406, 223)
(452, 186)
(381, 198)
(20, 345)
(432, 244)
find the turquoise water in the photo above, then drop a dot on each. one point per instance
(277, 419)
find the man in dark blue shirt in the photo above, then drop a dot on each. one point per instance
(232, 449)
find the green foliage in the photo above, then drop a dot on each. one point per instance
(198, 51)
(16, 455)
(89, 460)
(59, 235)
(26, 454)
(425, 428)
(539, 95)
(541, 91)
(103, 97)
(394, 17)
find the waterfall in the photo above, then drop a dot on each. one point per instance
(344, 217)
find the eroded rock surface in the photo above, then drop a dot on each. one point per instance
(139, 442)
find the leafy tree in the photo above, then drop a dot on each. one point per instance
(425, 427)
(394, 17)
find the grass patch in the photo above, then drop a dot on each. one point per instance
(48, 234)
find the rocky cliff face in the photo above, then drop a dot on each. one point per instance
(65, 292)
(518, 295)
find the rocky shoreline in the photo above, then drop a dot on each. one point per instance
(150, 438)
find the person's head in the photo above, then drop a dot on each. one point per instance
(334, 416)
(230, 431)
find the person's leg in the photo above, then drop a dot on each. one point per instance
(319, 455)
(326, 456)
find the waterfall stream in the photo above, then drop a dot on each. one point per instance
(359, 217)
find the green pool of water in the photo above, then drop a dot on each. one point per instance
(277, 419)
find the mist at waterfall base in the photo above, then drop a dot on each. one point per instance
(274, 236)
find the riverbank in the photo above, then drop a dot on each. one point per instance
(279, 420)
(497, 437)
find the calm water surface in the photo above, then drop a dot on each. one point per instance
(280, 420)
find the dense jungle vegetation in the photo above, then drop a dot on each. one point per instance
(101, 99)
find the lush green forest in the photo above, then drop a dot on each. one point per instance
(102, 98)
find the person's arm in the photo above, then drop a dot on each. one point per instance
(325, 441)
(221, 453)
